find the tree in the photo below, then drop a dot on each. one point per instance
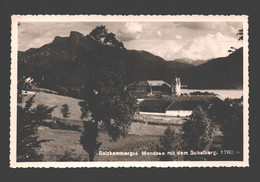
(217, 111)
(241, 37)
(233, 127)
(89, 138)
(106, 101)
(65, 110)
(28, 120)
(169, 142)
(232, 49)
(240, 34)
(198, 132)
(102, 37)
(229, 114)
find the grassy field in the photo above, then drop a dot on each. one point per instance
(66, 140)
(142, 137)
(61, 141)
(52, 100)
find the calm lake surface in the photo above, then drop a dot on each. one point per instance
(222, 94)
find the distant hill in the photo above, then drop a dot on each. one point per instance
(179, 65)
(191, 61)
(142, 65)
(219, 73)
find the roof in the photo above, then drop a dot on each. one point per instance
(184, 105)
(157, 82)
(148, 83)
(154, 102)
(153, 105)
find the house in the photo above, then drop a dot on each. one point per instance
(28, 79)
(141, 89)
(158, 87)
(182, 108)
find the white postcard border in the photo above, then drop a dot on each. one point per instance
(130, 18)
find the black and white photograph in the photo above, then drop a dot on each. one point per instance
(129, 91)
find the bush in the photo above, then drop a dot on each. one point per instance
(202, 93)
(65, 110)
(169, 142)
(198, 133)
(67, 126)
(58, 124)
(50, 124)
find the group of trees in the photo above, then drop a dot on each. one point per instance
(28, 120)
(198, 132)
(229, 114)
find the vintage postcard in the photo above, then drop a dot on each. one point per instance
(129, 91)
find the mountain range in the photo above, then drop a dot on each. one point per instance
(191, 61)
(218, 73)
(56, 62)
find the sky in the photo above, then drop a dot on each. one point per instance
(169, 40)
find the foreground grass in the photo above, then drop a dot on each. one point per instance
(62, 141)
(67, 140)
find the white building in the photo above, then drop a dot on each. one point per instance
(28, 80)
(164, 108)
(183, 109)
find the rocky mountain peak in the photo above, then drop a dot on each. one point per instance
(76, 35)
(57, 39)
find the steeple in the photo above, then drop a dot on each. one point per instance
(176, 86)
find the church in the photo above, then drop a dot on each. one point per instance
(148, 88)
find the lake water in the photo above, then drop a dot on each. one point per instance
(222, 94)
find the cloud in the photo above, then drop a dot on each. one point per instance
(209, 46)
(37, 34)
(192, 25)
(208, 25)
(203, 47)
(163, 48)
(130, 31)
(178, 37)
(226, 28)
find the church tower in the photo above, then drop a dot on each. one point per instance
(176, 86)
